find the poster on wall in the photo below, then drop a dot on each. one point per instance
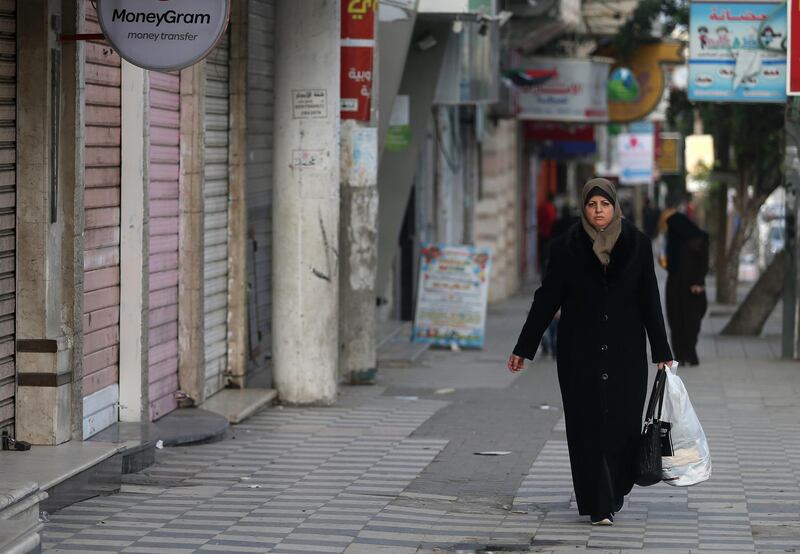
(452, 295)
(358, 53)
(577, 92)
(737, 51)
(636, 158)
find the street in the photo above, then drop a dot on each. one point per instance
(393, 468)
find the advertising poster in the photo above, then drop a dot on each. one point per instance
(578, 92)
(736, 52)
(452, 295)
(358, 53)
(636, 158)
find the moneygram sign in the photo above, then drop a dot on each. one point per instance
(163, 35)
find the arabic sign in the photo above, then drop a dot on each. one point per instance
(793, 50)
(358, 52)
(309, 104)
(577, 93)
(736, 52)
(163, 35)
(635, 152)
(453, 292)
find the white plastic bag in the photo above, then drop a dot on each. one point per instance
(691, 460)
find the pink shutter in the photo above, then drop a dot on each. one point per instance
(164, 169)
(101, 236)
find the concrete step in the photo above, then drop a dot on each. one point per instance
(69, 472)
(386, 331)
(236, 405)
(19, 516)
(398, 350)
(20, 538)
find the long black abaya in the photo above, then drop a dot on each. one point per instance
(602, 355)
(687, 266)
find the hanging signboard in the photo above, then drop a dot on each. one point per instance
(636, 85)
(358, 53)
(452, 295)
(635, 152)
(737, 51)
(163, 35)
(398, 137)
(577, 92)
(668, 157)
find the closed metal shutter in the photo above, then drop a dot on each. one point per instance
(260, 102)
(165, 110)
(215, 205)
(101, 235)
(8, 196)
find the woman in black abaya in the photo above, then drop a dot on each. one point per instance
(602, 278)
(687, 266)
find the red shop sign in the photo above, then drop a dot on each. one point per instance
(358, 50)
(358, 19)
(356, 82)
(793, 47)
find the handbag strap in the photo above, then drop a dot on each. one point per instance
(656, 396)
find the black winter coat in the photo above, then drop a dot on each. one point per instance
(602, 355)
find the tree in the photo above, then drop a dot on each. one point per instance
(750, 317)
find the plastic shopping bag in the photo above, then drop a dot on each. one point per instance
(690, 459)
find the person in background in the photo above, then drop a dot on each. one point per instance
(601, 275)
(686, 262)
(564, 222)
(546, 217)
(651, 216)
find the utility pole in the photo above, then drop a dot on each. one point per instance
(358, 245)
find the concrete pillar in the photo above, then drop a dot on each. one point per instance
(134, 246)
(49, 262)
(237, 194)
(191, 339)
(359, 252)
(306, 202)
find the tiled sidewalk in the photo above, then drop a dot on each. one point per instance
(381, 474)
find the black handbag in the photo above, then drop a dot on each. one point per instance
(648, 462)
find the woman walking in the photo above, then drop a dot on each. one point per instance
(687, 265)
(602, 278)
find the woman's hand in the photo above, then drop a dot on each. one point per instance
(516, 363)
(661, 365)
(697, 289)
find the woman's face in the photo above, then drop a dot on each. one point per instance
(599, 212)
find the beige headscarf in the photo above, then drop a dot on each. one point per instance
(603, 241)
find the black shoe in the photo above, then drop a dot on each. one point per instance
(606, 520)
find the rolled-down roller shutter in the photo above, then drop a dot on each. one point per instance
(102, 233)
(215, 205)
(8, 196)
(165, 100)
(260, 102)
